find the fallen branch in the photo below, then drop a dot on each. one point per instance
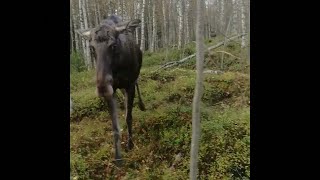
(175, 63)
(227, 53)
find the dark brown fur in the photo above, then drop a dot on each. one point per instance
(119, 60)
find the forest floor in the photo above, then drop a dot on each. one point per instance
(162, 133)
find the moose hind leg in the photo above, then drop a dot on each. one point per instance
(129, 105)
(115, 127)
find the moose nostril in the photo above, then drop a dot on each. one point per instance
(101, 88)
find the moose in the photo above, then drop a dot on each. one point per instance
(118, 62)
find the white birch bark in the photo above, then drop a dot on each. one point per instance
(149, 25)
(82, 27)
(221, 15)
(187, 39)
(142, 45)
(85, 19)
(154, 32)
(197, 94)
(234, 18)
(96, 19)
(74, 26)
(243, 27)
(164, 34)
(180, 19)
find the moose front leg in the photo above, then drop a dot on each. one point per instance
(129, 94)
(115, 127)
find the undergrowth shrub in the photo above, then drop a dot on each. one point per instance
(163, 131)
(77, 63)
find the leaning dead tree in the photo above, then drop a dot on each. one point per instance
(175, 63)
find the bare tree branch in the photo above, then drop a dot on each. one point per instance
(175, 63)
(227, 53)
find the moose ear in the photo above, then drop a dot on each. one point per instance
(85, 33)
(134, 23)
(129, 25)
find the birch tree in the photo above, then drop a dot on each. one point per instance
(149, 24)
(142, 45)
(243, 27)
(221, 15)
(96, 17)
(164, 23)
(137, 7)
(82, 27)
(154, 31)
(71, 36)
(234, 18)
(180, 19)
(164, 31)
(187, 38)
(74, 26)
(98, 11)
(170, 32)
(85, 18)
(197, 94)
(225, 41)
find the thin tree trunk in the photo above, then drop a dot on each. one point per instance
(83, 27)
(197, 94)
(74, 39)
(154, 32)
(89, 14)
(99, 13)
(149, 10)
(109, 8)
(95, 13)
(180, 19)
(234, 14)
(71, 36)
(142, 45)
(205, 23)
(194, 22)
(85, 18)
(225, 41)
(170, 23)
(187, 39)
(249, 32)
(239, 24)
(71, 30)
(210, 19)
(214, 16)
(74, 20)
(174, 27)
(164, 34)
(221, 15)
(116, 7)
(136, 7)
(243, 28)
(122, 14)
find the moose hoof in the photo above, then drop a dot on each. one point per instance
(118, 162)
(130, 145)
(142, 107)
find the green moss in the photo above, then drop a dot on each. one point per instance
(164, 129)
